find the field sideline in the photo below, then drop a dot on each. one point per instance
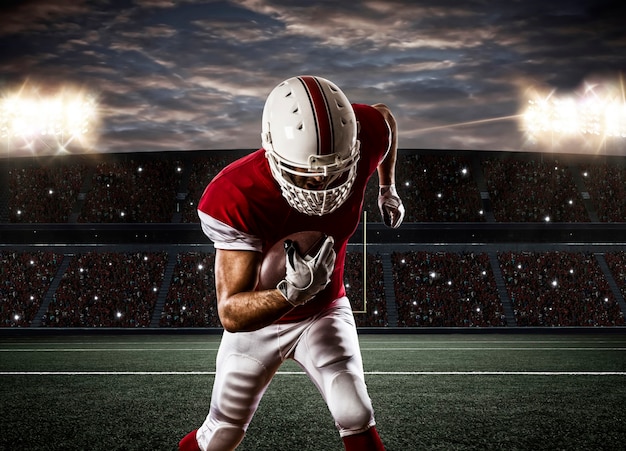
(430, 391)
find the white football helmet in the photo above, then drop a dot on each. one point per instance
(309, 133)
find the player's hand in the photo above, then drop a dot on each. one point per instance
(306, 276)
(390, 206)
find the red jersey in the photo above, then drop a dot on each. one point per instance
(242, 208)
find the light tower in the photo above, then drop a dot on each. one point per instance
(590, 118)
(43, 124)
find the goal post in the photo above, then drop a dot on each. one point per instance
(364, 310)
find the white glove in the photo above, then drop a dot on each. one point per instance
(306, 276)
(390, 206)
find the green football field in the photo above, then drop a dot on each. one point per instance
(430, 392)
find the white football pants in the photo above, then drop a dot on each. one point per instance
(325, 346)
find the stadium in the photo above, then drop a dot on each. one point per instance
(490, 240)
(493, 318)
(94, 268)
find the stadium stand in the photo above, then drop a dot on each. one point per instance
(202, 172)
(132, 191)
(108, 289)
(559, 289)
(434, 188)
(616, 262)
(191, 300)
(191, 295)
(44, 194)
(24, 280)
(533, 191)
(88, 211)
(370, 311)
(606, 187)
(446, 289)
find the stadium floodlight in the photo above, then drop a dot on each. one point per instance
(31, 120)
(596, 112)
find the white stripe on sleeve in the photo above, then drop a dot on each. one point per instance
(227, 237)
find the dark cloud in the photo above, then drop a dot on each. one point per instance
(189, 74)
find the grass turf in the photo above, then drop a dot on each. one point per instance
(432, 392)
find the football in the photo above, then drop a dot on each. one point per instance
(273, 266)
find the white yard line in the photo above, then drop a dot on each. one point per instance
(301, 373)
(385, 349)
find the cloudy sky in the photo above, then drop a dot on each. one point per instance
(189, 75)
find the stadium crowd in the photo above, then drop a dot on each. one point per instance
(617, 265)
(203, 170)
(446, 289)
(442, 289)
(25, 278)
(107, 290)
(44, 194)
(533, 191)
(434, 188)
(191, 299)
(431, 289)
(370, 311)
(606, 185)
(132, 192)
(559, 289)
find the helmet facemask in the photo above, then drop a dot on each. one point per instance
(320, 188)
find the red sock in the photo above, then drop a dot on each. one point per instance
(365, 441)
(189, 442)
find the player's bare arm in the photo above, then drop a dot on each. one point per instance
(387, 167)
(240, 308)
(389, 202)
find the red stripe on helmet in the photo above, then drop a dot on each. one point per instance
(321, 112)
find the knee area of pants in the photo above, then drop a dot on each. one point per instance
(240, 390)
(349, 403)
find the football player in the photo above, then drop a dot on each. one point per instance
(318, 153)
